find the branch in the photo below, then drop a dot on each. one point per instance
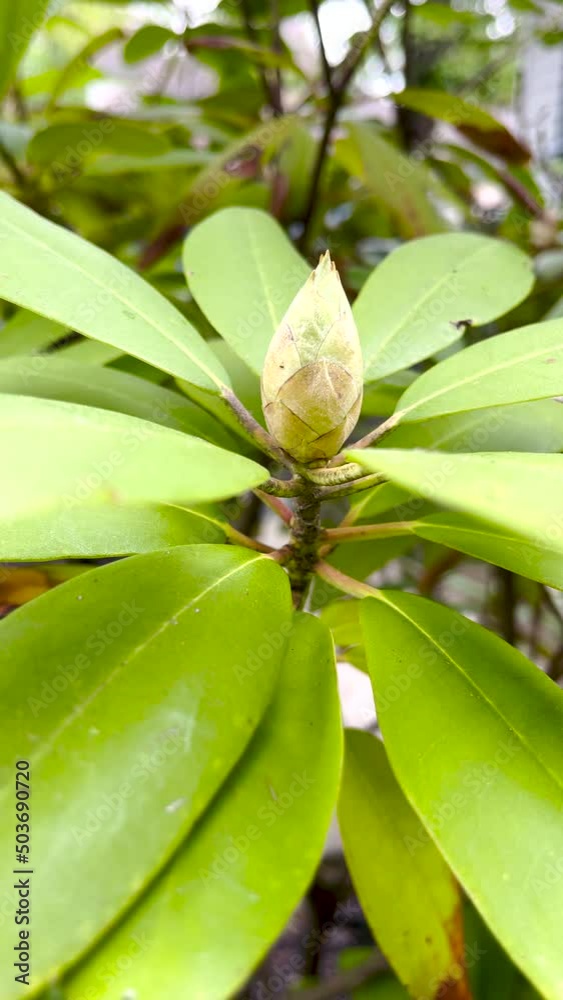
(252, 35)
(365, 532)
(340, 81)
(327, 72)
(354, 588)
(276, 505)
(263, 440)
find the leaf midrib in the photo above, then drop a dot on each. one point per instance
(78, 710)
(476, 377)
(480, 693)
(406, 319)
(119, 298)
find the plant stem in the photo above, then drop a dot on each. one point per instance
(377, 434)
(239, 538)
(364, 532)
(347, 489)
(327, 72)
(253, 36)
(263, 440)
(276, 504)
(282, 487)
(304, 544)
(340, 80)
(333, 476)
(355, 588)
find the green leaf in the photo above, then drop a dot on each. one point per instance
(97, 532)
(381, 398)
(539, 559)
(112, 164)
(53, 377)
(473, 730)
(513, 367)
(50, 270)
(131, 719)
(472, 121)
(150, 38)
(26, 333)
(65, 147)
(536, 426)
(419, 298)
(252, 857)
(343, 620)
(56, 456)
(18, 23)
(90, 352)
(248, 255)
(398, 184)
(406, 890)
(519, 492)
(369, 505)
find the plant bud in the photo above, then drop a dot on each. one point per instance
(313, 373)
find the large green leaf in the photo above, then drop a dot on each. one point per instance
(406, 889)
(92, 532)
(399, 185)
(536, 426)
(54, 272)
(55, 456)
(470, 119)
(473, 731)
(513, 367)
(65, 147)
(423, 294)
(512, 490)
(53, 377)
(539, 559)
(26, 332)
(243, 273)
(131, 718)
(18, 22)
(252, 857)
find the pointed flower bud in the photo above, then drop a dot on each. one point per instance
(313, 373)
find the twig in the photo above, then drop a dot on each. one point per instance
(263, 440)
(327, 72)
(277, 505)
(282, 487)
(276, 85)
(344, 982)
(252, 35)
(355, 588)
(365, 532)
(341, 78)
(239, 538)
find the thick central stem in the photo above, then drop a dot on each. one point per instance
(304, 545)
